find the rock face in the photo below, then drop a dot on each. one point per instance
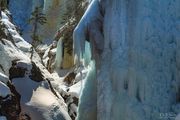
(15, 71)
(69, 78)
(36, 73)
(138, 76)
(9, 99)
(10, 107)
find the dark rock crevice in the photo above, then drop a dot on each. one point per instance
(10, 105)
(36, 73)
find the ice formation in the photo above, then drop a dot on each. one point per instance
(92, 19)
(138, 76)
(59, 54)
(21, 11)
(87, 105)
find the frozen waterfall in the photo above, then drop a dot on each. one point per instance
(138, 75)
(59, 54)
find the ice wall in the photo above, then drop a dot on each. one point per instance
(21, 11)
(54, 10)
(138, 77)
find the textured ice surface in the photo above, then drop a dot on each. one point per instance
(138, 76)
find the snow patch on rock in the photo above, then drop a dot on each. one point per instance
(4, 90)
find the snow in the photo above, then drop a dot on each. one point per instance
(73, 108)
(17, 39)
(24, 64)
(4, 16)
(24, 46)
(25, 87)
(38, 101)
(2, 118)
(53, 51)
(37, 98)
(3, 78)
(76, 89)
(177, 117)
(4, 90)
(42, 97)
(45, 56)
(46, 103)
(11, 53)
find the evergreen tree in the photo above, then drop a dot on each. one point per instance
(4, 4)
(70, 20)
(38, 18)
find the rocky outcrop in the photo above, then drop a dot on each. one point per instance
(10, 104)
(10, 107)
(15, 71)
(70, 78)
(36, 73)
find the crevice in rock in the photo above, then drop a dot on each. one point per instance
(36, 74)
(52, 89)
(10, 105)
(16, 72)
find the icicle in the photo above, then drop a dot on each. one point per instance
(78, 45)
(87, 54)
(59, 53)
(80, 33)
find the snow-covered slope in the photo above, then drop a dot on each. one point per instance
(29, 81)
(138, 76)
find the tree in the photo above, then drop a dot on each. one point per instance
(38, 18)
(70, 20)
(4, 4)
